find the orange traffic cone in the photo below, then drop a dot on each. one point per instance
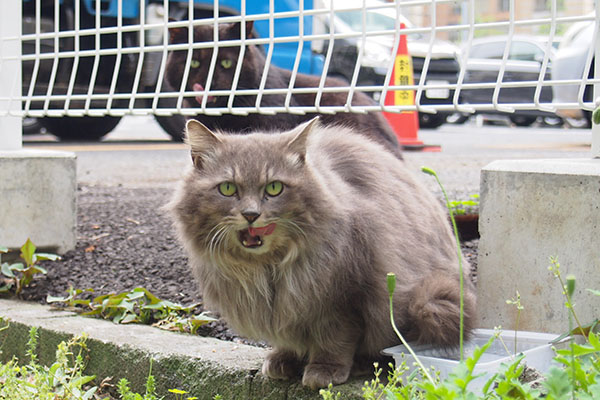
(406, 123)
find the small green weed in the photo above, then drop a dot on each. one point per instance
(18, 275)
(462, 207)
(596, 116)
(136, 306)
(64, 379)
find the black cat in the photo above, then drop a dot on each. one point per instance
(373, 125)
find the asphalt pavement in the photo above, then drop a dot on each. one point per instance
(139, 154)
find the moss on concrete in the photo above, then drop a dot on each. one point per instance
(203, 373)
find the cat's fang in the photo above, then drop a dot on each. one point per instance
(250, 241)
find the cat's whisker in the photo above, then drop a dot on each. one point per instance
(220, 244)
(296, 228)
(216, 239)
(210, 236)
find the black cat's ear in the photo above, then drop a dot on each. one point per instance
(201, 141)
(298, 143)
(178, 34)
(235, 30)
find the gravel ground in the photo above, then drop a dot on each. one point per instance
(124, 241)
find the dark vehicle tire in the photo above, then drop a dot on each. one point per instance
(522, 120)
(31, 126)
(85, 129)
(174, 125)
(458, 118)
(431, 121)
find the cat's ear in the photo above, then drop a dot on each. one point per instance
(201, 141)
(235, 30)
(300, 135)
(178, 34)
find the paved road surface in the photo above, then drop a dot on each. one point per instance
(139, 154)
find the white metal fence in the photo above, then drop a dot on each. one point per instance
(109, 57)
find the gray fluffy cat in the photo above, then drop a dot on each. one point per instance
(291, 235)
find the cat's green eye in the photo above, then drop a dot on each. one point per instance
(274, 188)
(195, 64)
(227, 189)
(226, 63)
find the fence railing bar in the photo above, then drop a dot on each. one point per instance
(76, 55)
(307, 90)
(269, 56)
(164, 51)
(256, 17)
(359, 58)
(327, 61)
(288, 95)
(97, 45)
(509, 40)
(36, 63)
(465, 57)
(432, 37)
(141, 57)
(240, 60)
(546, 59)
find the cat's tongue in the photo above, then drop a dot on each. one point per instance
(262, 231)
(198, 88)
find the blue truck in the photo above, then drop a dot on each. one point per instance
(74, 77)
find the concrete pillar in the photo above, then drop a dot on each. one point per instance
(531, 210)
(10, 78)
(37, 188)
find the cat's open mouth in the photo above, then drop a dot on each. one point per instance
(199, 88)
(252, 237)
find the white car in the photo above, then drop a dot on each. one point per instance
(523, 64)
(378, 51)
(570, 64)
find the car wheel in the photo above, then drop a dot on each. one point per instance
(431, 121)
(522, 120)
(79, 128)
(458, 118)
(554, 122)
(174, 125)
(31, 126)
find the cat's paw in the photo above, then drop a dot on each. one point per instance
(318, 375)
(281, 365)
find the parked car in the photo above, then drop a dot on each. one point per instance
(378, 50)
(570, 63)
(74, 77)
(523, 64)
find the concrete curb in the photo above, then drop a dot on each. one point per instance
(202, 366)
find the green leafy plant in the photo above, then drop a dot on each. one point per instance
(596, 116)
(516, 301)
(458, 252)
(568, 289)
(64, 379)
(19, 275)
(136, 306)
(462, 207)
(150, 390)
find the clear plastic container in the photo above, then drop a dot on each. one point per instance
(536, 347)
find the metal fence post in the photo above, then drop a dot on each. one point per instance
(596, 128)
(10, 76)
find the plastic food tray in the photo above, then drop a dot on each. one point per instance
(536, 347)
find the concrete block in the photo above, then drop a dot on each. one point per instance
(531, 210)
(38, 199)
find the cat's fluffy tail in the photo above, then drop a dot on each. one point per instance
(434, 311)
